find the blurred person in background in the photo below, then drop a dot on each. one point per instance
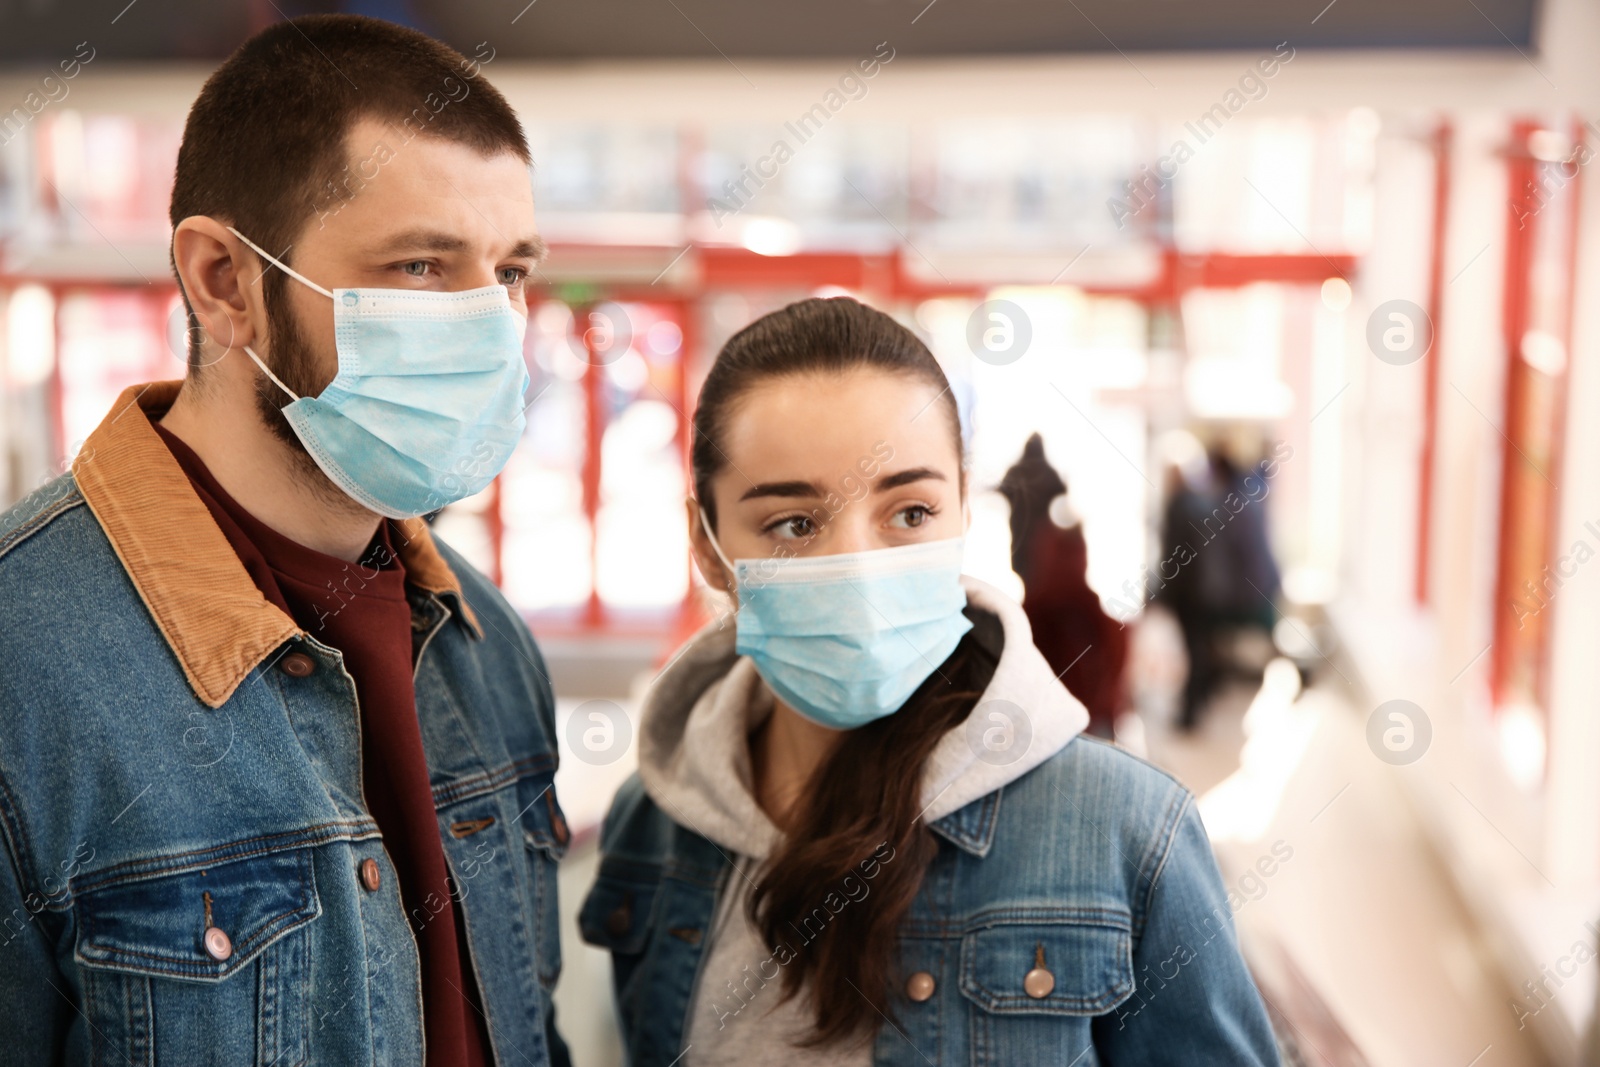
(1029, 486)
(838, 795)
(276, 763)
(1086, 647)
(1250, 597)
(1214, 535)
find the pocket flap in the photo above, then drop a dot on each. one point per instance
(159, 926)
(616, 913)
(544, 825)
(1086, 967)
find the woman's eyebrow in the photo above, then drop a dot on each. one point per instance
(811, 489)
(789, 489)
(906, 477)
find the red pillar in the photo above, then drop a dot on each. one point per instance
(594, 396)
(1443, 139)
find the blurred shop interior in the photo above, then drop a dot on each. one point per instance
(1375, 265)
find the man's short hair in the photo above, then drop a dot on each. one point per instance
(265, 146)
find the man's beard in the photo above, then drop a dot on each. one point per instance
(293, 361)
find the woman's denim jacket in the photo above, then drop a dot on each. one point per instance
(1093, 866)
(177, 757)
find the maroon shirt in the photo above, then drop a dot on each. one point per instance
(361, 610)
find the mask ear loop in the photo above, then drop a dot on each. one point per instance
(270, 258)
(275, 379)
(297, 276)
(701, 511)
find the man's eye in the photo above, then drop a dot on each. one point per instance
(511, 277)
(417, 268)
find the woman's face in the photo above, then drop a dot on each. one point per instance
(819, 464)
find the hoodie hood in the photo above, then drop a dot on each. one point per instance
(694, 760)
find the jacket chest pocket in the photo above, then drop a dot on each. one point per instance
(206, 966)
(1034, 987)
(618, 915)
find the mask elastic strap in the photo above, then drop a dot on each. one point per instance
(713, 539)
(275, 381)
(290, 271)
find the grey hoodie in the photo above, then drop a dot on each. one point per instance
(694, 762)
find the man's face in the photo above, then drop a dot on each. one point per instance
(435, 216)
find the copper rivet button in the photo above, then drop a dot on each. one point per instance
(1038, 982)
(919, 987)
(298, 665)
(217, 944)
(371, 876)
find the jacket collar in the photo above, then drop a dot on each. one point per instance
(963, 782)
(201, 597)
(694, 764)
(971, 829)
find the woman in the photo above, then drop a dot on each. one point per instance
(1051, 556)
(865, 829)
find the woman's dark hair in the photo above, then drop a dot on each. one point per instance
(868, 794)
(813, 336)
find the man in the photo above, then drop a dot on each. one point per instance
(275, 765)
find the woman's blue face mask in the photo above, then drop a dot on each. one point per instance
(846, 639)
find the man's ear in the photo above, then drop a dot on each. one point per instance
(966, 507)
(216, 271)
(705, 557)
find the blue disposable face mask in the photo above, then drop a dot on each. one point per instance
(427, 405)
(847, 639)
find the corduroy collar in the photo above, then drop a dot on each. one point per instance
(202, 599)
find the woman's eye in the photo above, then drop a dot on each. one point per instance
(417, 268)
(511, 277)
(794, 528)
(913, 516)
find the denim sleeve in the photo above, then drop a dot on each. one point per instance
(33, 993)
(560, 1055)
(1194, 1000)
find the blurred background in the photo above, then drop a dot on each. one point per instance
(1295, 296)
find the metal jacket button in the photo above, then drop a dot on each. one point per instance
(371, 876)
(217, 944)
(919, 987)
(557, 823)
(1038, 982)
(620, 920)
(297, 665)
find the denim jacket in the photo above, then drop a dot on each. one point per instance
(189, 872)
(1091, 865)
